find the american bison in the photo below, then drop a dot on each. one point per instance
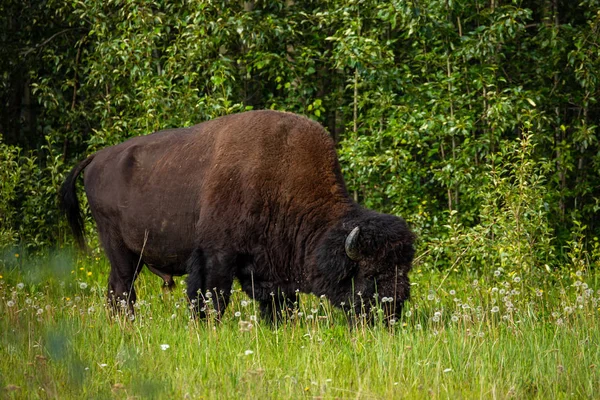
(257, 196)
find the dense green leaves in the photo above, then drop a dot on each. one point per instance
(476, 121)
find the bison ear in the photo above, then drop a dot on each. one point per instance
(351, 245)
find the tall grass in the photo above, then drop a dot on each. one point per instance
(492, 335)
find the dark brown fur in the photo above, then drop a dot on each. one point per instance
(256, 196)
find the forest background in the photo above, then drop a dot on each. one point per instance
(477, 121)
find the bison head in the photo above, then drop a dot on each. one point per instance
(364, 262)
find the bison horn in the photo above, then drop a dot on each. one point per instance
(352, 244)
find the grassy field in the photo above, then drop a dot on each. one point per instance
(492, 335)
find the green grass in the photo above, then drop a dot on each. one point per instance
(527, 338)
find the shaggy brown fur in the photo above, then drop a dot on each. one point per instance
(256, 196)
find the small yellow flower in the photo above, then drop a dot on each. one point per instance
(16, 255)
(68, 298)
(89, 273)
(0, 276)
(81, 269)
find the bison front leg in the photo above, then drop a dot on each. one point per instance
(276, 308)
(209, 283)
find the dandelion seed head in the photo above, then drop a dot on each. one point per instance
(237, 314)
(10, 303)
(20, 285)
(83, 285)
(495, 309)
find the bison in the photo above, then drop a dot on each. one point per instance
(256, 196)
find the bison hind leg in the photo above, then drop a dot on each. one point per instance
(125, 266)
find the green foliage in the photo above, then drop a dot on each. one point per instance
(478, 117)
(29, 197)
(9, 181)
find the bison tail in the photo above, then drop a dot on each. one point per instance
(69, 203)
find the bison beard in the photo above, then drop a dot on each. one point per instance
(258, 197)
